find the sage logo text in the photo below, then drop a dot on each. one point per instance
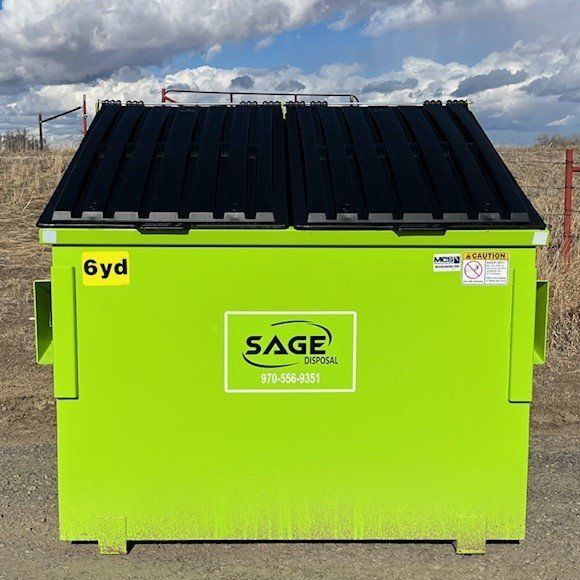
(292, 342)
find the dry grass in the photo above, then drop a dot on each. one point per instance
(27, 180)
(540, 171)
(26, 402)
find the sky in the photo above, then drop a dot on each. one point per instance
(517, 61)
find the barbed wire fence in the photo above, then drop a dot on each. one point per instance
(61, 123)
(53, 129)
(62, 132)
(545, 174)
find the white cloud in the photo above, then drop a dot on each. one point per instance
(565, 83)
(264, 43)
(415, 13)
(69, 41)
(561, 122)
(59, 41)
(212, 51)
(500, 103)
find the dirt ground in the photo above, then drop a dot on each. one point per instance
(28, 522)
(29, 548)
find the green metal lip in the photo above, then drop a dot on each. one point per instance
(293, 237)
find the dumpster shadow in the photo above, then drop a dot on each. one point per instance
(131, 545)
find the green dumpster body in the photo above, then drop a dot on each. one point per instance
(290, 385)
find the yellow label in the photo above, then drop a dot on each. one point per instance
(106, 268)
(486, 256)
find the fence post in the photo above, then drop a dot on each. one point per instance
(40, 137)
(84, 114)
(42, 120)
(568, 188)
(568, 193)
(165, 98)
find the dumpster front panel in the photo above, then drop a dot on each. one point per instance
(427, 446)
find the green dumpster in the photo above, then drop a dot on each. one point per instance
(291, 323)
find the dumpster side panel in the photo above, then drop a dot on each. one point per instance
(428, 446)
(64, 328)
(522, 335)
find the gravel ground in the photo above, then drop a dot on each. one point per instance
(29, 545)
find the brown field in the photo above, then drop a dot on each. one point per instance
(28, 179)
(28, 513)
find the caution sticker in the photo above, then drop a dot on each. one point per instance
(105, 268)
(485, 268)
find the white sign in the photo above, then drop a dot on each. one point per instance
(446, 262)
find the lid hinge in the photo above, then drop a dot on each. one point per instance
(161, 228)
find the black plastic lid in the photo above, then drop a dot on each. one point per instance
(414, 167)
(407, 167)
(165, 166)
